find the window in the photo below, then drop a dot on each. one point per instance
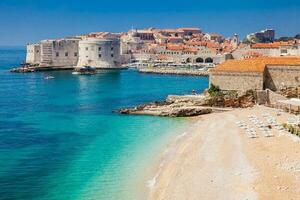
(37, 51)
(112, 55)
(75, 54)
(66, 54)
(111, 48)
(57, 54)
(86, 48)
(99, 49)
(99, 55)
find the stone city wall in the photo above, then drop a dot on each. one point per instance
(279, 77)
(237, 81)
(59, 53)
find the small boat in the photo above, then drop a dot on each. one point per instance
(22, 70)
(85, 70)
(48, 77)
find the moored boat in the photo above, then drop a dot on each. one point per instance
(49, 77)
(85, 70)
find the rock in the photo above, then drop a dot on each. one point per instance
(124, 111)
(188, 112)
(189, 105)
(199, 100)
(167, 111)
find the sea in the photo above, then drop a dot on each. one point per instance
(60, 139)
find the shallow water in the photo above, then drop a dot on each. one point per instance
(60, 140)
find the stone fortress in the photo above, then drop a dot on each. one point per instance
(99, 53)
(75, 52)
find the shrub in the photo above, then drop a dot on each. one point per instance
(214, 90)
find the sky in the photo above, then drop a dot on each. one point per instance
(27, 21)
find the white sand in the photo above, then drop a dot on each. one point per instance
(216, 160)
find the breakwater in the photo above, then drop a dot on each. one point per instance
(164, 70)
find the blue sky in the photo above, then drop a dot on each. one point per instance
(23, 21)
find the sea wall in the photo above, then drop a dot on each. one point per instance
(162, 70)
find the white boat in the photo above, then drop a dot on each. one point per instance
(48, 77)
(85, 70)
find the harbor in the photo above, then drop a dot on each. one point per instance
(157, 100)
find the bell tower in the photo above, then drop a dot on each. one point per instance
(235, 41)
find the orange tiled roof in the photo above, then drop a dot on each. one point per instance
(203, 43)
(252, 53)
(169, 30)
(255, 64)
(175, 47)
(212, 45)
(174, 38)
(274, 45)
(196, 43)
(191, 50)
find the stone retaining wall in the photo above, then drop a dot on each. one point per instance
(278, 77)
(237, 81)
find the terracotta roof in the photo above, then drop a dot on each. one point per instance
(175, 47)
(174, 38)
(169, 30)
(203, 43)
(163, 57)
(255, 64)
(252, 53)
(212, 45)
(191, 50)
(196, 43)
(274, 45)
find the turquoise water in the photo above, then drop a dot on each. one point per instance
(60, 140)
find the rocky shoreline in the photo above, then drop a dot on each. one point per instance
(193, 105)
(164, 70)
(175, 106)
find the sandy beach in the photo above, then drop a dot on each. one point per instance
(215, 159)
